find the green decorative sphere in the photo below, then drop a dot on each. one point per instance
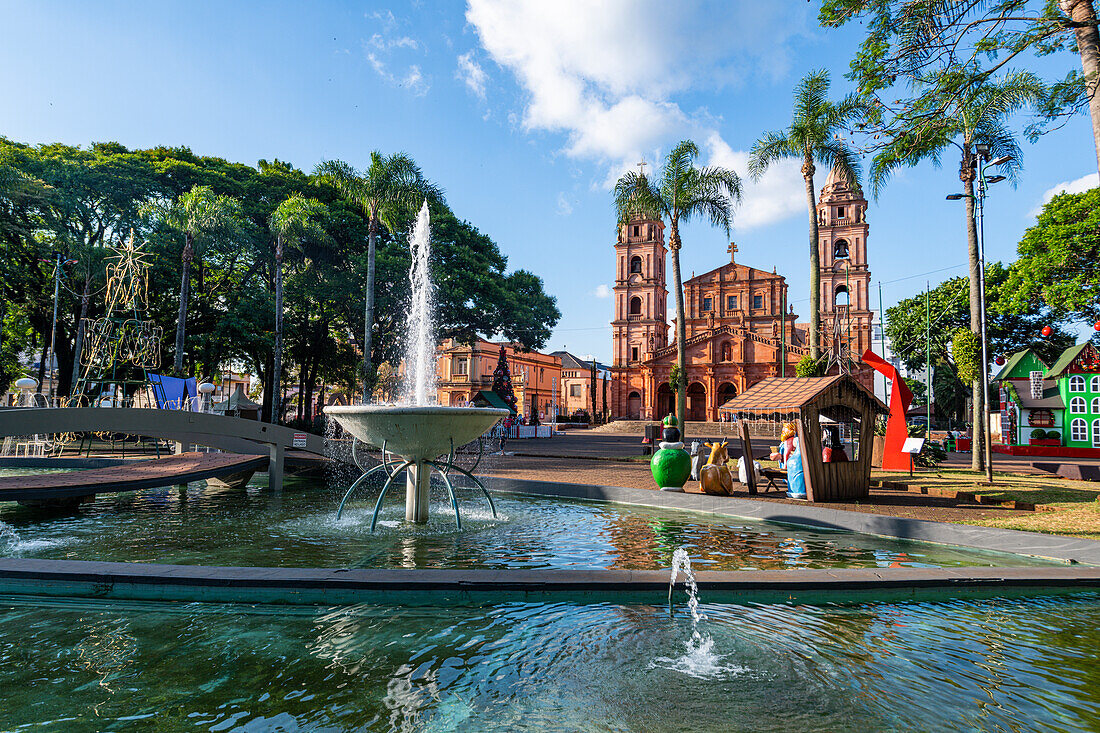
(671, 468)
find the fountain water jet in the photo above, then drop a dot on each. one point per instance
(416, 430)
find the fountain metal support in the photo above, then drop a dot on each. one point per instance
(417, 486)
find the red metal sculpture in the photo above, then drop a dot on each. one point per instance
(896, 428)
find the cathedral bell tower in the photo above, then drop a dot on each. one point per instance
(640, 325)
(845, 279)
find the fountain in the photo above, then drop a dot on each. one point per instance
(416, 430)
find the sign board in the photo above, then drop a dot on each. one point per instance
(298, 441)
(912, 445)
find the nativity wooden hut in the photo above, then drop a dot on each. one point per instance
(838, 404)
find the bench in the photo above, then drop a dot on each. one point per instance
(773, 475)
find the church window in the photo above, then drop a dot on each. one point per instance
(757, 301)
(635, 264)
(634, 353)
(635, 306)
(840, 212)
(840, 250)
(637, 230)
(731, 302)
(708, 304)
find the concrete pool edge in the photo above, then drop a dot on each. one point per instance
(305, 586)
(992, 539)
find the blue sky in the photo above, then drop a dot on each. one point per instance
(525, 112)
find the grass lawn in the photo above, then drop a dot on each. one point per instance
(1072, 506)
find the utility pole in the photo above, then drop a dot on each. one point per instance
(927, 359)
(783, 333)
(52, 354)
(882, 340)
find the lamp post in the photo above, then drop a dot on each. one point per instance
(979, 198)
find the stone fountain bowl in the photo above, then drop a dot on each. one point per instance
(415, 433)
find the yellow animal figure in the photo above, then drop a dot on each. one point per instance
(715, 477)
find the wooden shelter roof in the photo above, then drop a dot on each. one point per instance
(790, 394)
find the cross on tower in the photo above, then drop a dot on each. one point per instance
(641, 167)
(732, 249)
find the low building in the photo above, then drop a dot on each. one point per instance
(577, 385)
(465, 369)
(1062, 400)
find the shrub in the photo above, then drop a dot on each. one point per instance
(966, 349)
(930, 455)
(808, 367)
(1038, 434)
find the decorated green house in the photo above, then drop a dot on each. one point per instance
(1055, 407)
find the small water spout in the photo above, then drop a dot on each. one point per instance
(699, 659)
(9, 538)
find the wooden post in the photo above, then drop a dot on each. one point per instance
(804, 452)
(746, 452)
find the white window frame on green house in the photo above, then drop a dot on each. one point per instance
(1095, 406)
(1078, 406)
(1078, 429)
(1076, 383)
(1096, 433)
(1094, 383)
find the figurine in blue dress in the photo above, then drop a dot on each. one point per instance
(790, 458)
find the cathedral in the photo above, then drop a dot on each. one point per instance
(739, 323)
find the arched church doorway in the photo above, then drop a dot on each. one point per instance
(666, 401)
(634, 406)
(726, 392)
(697, 402)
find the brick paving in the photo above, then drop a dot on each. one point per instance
(636, 475)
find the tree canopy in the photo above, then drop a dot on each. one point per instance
(77, 201)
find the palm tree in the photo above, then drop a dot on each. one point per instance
(389, 189)
(294, 222)
(979, 118)
(680, 192)
(197, 213)
(813, 138)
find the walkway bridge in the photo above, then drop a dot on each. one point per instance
(231, 434)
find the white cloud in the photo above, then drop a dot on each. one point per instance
(564, 207)
(471, 72)
(605, 75)
(381, 49)
(1082, 184)
(602, 291)
(778, 194)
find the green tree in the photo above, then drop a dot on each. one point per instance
(813, 137)
(935, 55)
(296, 221)
(911, 338)
(680, 192)
(388, 189)
(978, 118)
(1059, 260)
(198, 214)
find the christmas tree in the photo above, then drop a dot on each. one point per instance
(502, 381)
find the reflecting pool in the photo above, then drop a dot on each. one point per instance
(204, 525)
(999, 665)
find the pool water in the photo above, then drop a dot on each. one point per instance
(232, 527)
(998, 665)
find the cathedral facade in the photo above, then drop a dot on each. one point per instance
(740, 326)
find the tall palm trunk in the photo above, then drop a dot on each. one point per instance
(277, 366)
(681, 328)
(185, 280)
(815, 259)
(977, 456)
(368, 314)
(1088, 46)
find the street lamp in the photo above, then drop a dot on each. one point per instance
(979, 197)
